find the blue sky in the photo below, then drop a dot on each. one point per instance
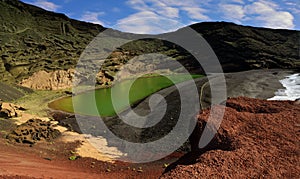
(158, 16)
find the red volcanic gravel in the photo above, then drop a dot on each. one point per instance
(257, 138)
(51, 160)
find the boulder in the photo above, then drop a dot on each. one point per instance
(9, 110)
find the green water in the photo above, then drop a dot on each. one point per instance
(140, 88)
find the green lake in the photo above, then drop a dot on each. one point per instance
(138, 89)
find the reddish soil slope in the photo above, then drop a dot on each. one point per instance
(50, 160)
(257, 138)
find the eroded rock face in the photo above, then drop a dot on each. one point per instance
(60, 79)
(257, 138)
(34, 130)
(42, 80)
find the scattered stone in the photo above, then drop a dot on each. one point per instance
(46, 158)
(69, 92)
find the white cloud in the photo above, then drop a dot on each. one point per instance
(192, 8)
(152, 15)
(50, 6)
(196, 13)
(166, 11)
(156, 6)
(269, 15)
(262, 13)
(147, 22)
(293, 6)
(277, 20)
(233, 12)
(139, 5)
(92, 17)
(295, 10)
(158, 16)
(260, 7)
(238, 1)
(115, 9)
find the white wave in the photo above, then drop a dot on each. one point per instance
(292, 88)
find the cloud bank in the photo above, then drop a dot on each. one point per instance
(262, 13)
(152, 15)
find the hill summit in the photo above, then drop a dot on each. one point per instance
(33, 40)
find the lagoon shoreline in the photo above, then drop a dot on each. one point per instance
(261, 84)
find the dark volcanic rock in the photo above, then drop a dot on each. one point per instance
(5, 113)
(250, 143)
(33, 131)
(243, 47)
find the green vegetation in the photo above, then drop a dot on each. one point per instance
(73, 157)
(138, 89)
(37, 101)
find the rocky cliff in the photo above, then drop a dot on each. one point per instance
(54, 80)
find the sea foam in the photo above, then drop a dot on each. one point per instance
(292, 88)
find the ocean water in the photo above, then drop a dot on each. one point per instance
(292, 88)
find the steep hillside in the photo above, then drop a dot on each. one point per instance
(242, 47)
(32, 39)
